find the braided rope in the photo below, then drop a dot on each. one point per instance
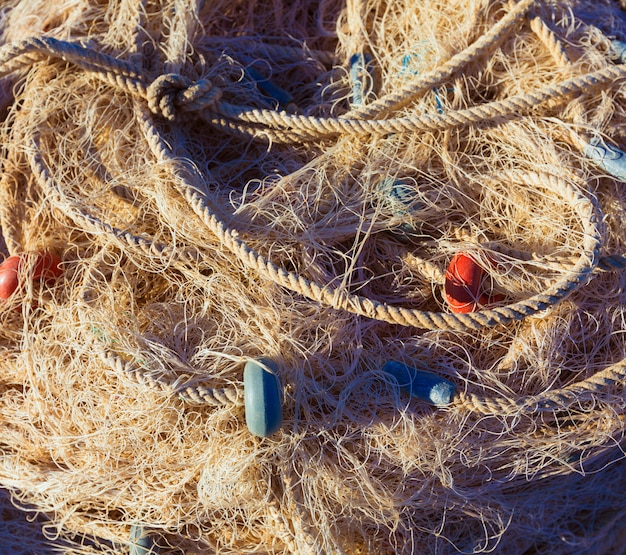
(11, 213)
(555, 46)
(120, 74)
(198, 393)
(163, 95)
(606, 263)
(434, 78)
(550, 400)
(587, 210)
(550, 41)
(265, 134)
(124, 76)
(425, 268)
(509, 108)
(172, 91)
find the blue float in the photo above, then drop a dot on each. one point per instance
(617, 51)
(422, 384)
(400, 195)
(269, 88)
(262, 397)
(608, 157)
(142, 541)
(361, 77)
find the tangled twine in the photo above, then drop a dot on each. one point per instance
(168, 94)
(163, 104)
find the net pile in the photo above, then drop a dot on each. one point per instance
(231, 181)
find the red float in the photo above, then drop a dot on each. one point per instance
(9, 280)
(47, 268)
(464, 285)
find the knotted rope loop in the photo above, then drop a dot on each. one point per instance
(171, 92)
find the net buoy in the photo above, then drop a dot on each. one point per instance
(142, 541)
(47, 268)
(607, 157)
(424, 385)
(262, 397)
(361, 77)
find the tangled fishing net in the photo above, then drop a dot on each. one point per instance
(285, 182)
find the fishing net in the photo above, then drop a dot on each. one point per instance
(193, 188)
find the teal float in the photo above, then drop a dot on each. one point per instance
(607, 157)
(617, 51)
(262, 397)
(269, 88)
(142, 541)
(401, 197)
(424, 385)
(361, 77)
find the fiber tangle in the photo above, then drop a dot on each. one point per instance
(313, 277)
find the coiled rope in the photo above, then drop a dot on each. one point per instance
(172, 95)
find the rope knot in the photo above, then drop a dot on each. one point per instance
(172, 91)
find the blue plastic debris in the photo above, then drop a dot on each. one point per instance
(407, 61)
(422, 384)
(440, 109)
(262, 397)
(608, 157)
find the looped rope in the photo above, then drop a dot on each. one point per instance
(172, 91)
(189, 391)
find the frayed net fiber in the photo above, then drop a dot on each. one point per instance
(281, 195)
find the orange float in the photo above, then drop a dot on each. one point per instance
(464, 285)
(47, 268)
